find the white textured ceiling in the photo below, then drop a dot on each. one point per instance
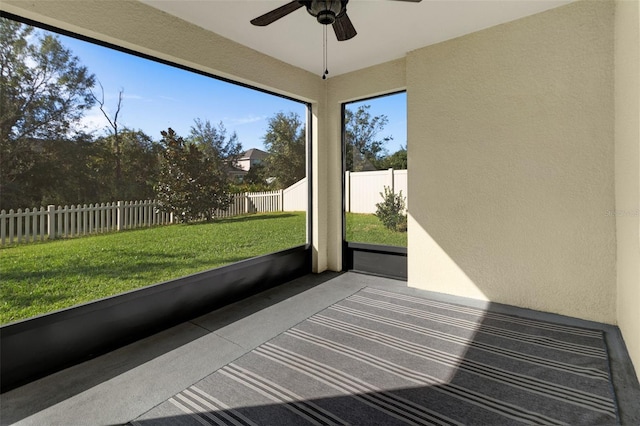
(387, 29)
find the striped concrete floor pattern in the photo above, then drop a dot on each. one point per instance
(384, 358)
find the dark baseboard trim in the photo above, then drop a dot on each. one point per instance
(42, 345)
(384, 261)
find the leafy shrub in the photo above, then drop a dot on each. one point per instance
(391, 210)
(191, 184)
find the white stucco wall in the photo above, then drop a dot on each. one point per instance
(511, 164)
(627, 161)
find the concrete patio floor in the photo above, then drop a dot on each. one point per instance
(119, 386)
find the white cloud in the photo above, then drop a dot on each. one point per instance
(112, 97)
(134, 97)
(168, 98)
(244, 120)
(93, 121)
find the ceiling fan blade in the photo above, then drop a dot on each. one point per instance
(276, 14)
(344, 28)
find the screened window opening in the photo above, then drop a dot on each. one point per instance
(375, 176)
(118, 172)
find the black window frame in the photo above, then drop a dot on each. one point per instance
(372, 259)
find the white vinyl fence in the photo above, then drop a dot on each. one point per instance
(296, 197)
(28, 225)
(253, 202)
(362, 189)
(362, 192)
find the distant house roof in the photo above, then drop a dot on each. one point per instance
(254, 154)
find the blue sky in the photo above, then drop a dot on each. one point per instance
(158, 96)
(395, 108)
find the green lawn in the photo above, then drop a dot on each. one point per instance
(38, 278)
(367, 228)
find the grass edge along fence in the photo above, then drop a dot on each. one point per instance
(52, 222)
(30, 225)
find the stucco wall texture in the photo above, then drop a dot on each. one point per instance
(627, 164)
(511, 163)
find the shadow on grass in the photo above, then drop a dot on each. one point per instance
(24, 300)
(21, 302)
(241, 219)
(162, 261)
(59, 274)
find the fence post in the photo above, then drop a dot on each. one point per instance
(51, 222)
(347, 191)
(391, 177)
(3, 227)
(246, 202)
(42, 228)
(282, 200)
(19, 217)
(12, 226)
(120, 216)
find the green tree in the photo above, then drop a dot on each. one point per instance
(115, 139)
(214, 143)
(397, 160)
(191, 184)
(363, 148)
(257, 175)
(139, 165)
(62, 173)
(390, 210)
(254, 181)
(285, 141)
(44, 91)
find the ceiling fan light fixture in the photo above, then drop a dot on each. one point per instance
(325, 11)
(326, 17)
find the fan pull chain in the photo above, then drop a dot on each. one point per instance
(324, 52)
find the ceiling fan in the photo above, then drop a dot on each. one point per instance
(327, 12)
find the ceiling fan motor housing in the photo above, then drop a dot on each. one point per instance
(326, 11)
